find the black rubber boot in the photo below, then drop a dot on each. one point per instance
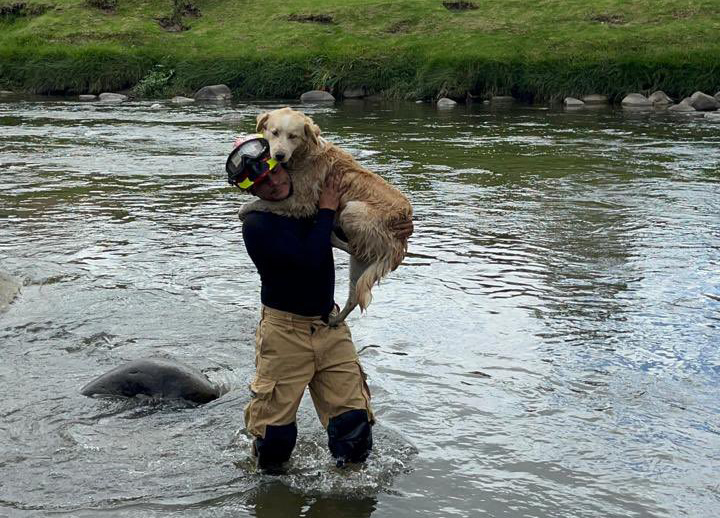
(273, 450)
(350, 437)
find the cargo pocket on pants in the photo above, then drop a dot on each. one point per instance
(258, 412)
(365, 389)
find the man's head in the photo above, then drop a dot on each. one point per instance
(250, 168)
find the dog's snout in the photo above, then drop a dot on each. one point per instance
(280, 156)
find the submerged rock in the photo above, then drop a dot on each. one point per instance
(660, 97)
(636, 101)
(112, 97)
(572, 102)
(445, 102)
(317, 96)
(232, 118)
(213, 93)
(502, 99)
(179, 99)
(595, 99)
(683, 106)
(87, 97)
(154, 377)
(704, 102)
(9, 288)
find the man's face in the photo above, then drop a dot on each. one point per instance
(275, 186)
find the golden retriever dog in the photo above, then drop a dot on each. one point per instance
(368, 207)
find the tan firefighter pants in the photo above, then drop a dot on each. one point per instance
(292, 352)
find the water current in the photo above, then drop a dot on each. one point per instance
(549, 348)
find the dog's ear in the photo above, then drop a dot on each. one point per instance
(261, 120)
(312, 131)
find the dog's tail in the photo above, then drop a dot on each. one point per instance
(376, 271)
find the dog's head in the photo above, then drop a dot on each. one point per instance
(289, 132)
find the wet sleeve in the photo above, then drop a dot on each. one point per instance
(271, 239)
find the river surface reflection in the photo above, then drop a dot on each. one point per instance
(549, 348)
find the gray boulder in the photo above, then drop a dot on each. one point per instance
(717, 96)
(636, 101)
(154, 377)
(87, 97)
(108, 97)
(155, 106)
(445, 102)
(683, 106)
(704, 102)
(213, 93)
(317, 96)
(179, 99)
(572, 102)
(660, 97)
(355, 92)
(595, 99)
(9, 288)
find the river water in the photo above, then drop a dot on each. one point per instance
(549, 347)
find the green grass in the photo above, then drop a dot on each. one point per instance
(400, 48)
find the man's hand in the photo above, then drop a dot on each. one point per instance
(402, 229)
(331, 193)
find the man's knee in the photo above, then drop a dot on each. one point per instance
(276, 447)
(350, 436)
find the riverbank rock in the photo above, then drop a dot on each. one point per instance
(595, 99)
(713, 116)
(683, 106)
(155, 106)
(87, 97)
(704, 102)
(355, 92)
(6, 92)
(317, 96)
(636, 101)
(9, 288)
(660, 97)
(445, 102)
(108, 97)
(572, 102)
(213, 93)
(717, 96)
(179, 99)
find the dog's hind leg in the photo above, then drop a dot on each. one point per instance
(339, 243)
(357, 268)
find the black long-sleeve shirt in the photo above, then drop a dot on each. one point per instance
(295, 260)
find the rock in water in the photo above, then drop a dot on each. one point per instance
(155, 377)
(213, 93)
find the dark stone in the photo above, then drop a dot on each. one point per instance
(213, 93)
(154, 377)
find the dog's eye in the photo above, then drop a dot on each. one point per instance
(275, 133)
(291, 136)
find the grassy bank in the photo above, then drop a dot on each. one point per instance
(400, 48)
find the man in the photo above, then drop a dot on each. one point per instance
(295, 347)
